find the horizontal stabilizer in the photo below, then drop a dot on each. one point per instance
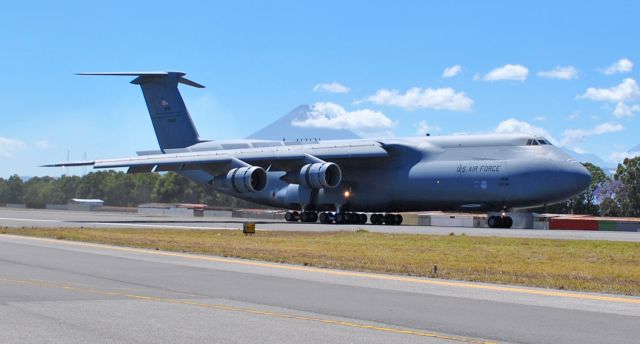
(141, 76)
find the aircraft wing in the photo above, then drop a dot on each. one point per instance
(216, 162)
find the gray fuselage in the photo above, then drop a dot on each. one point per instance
(465, 172)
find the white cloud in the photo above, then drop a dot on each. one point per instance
(564, 73)
(579, 150)
(620, 66)
(9, 146)
(624, 110)
(333, 87)
(512, 126)
(574, 115)
(418, 98)
(573, 136)
(628, 89)
(423, 128)
(334, 116)
(508, 72)
(451, 71)
(43, 145)
(618, 157)
(540, 118)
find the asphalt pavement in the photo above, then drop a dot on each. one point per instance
(11, 217)
(69, 292)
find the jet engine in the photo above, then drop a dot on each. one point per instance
(320, 175)
(247, 179)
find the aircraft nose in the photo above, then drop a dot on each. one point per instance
(581, 177)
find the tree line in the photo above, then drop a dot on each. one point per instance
(115, 188)
(607, 196)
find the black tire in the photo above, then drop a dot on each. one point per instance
(348, 218)
(323, 218)
(492, 221)
(340, 218)
(296, 216)
(314, 217)
(355, 218)
(507, 222)
(363, 219)
(398, 219)
(389, 219)
(304, 216)
(288, 216)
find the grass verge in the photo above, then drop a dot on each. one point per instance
(599, 266)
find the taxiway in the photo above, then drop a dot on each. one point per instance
(10, 217)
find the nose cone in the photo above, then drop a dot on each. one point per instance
(551, 180)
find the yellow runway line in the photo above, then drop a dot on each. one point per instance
(239, 261)
(82, 289)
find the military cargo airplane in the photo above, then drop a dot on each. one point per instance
(337, 181)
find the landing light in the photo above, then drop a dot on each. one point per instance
(347, 194)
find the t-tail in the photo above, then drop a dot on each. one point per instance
(169, 115)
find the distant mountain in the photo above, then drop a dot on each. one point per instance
(282, 129)
(589, 157)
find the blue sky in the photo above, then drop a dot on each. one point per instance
(261, 59)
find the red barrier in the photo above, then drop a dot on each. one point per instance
(573, 224)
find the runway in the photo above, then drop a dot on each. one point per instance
(56, 291)
(57, 218)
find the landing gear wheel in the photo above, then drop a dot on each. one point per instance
(389, 219)
(507, 222)
(348, 218)
(308, 216)
(291, 216)
(492, 221)
(363, 219)
(340, 218)
(398, 220)
(325, 218)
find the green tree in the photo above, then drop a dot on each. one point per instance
(11, 190)
(628, 173)
(39, 191)
(143, 187)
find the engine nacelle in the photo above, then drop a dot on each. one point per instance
(247, 179)
(320, 175)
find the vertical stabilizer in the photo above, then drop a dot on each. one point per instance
(169, 115)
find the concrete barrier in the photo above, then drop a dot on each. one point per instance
(258, 214)
(56, 207)
(217, 213)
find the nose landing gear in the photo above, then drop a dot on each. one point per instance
(500, 221)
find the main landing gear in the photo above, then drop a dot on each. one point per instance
(342, 218)
(305, 216)
(387, 219)
(500, 221)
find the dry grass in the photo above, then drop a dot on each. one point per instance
(601, 266)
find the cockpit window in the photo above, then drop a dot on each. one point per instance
(536, 142)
